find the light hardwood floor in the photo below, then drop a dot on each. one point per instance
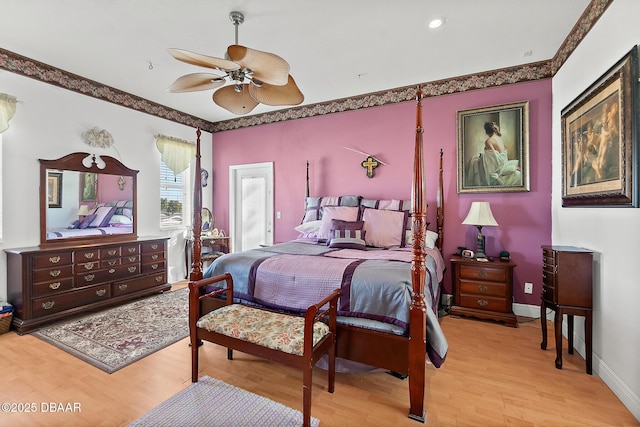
(494, 376)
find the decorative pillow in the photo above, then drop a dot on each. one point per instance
(347, 234)
(429, 240)
(103, 215)
(75, 224)
(314, 205)
(345, 213)
(384, 228)
(120, 219)
(309, 227)
(87, 221)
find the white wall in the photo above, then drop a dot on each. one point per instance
(614, 234)
(47, 125)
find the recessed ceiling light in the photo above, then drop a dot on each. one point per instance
(437, 22)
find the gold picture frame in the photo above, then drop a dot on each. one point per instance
(493, 149)
(54, 189)
(599, 140)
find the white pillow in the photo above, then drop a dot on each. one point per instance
(429, 240)
(384, 228)
(344, 213)
(309, 227)
(120, 219)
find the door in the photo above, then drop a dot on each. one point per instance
(251, 205)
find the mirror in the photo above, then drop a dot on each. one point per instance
(84, 197)
(208, 222)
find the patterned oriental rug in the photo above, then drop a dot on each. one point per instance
(211, 403)
(117, 337)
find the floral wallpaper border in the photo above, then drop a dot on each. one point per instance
(18, 64)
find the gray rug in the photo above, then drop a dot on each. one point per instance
(114, 338)
(211, 402)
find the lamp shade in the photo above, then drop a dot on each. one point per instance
(480, 214)
(83, 211)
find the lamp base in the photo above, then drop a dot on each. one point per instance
(480, 240)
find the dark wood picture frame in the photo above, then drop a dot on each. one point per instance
(493, 149)
(600, 140)
(54, 189)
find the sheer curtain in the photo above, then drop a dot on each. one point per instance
(7, 110)
(177, 153)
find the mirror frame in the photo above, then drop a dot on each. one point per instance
(75, 162)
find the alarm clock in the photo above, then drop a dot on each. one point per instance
(467, 253)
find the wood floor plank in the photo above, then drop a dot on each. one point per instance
(493, 376)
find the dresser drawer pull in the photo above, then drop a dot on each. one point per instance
(88, 266)
(154, 257)
(482, 288)
(54, 259)
(132, 269)
(89, 255)
(112, 270)
(55, 285)
(101, 292)
(154, 266)
(123, 287)
(154, 246)
(482, 273)
(112, 251)
(482, 302)
(158, 279)
(54, 273)
(89, 277)
(132, 259)
(131, 250)
(48, 305)
(112, 262)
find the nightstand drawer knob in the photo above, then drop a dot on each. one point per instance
(482, 302)
(482, 288)
(482, 273)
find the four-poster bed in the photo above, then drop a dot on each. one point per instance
(402, 347)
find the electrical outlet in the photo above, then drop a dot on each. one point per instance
(528, 288)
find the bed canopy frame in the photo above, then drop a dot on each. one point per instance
(405, 355)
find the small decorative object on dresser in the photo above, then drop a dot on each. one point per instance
(567, 289)
(483, 289)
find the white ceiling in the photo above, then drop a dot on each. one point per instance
(336, 48)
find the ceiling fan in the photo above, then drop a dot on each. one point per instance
(256, 76)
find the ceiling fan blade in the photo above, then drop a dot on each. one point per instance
(267, 67)
(196, 81)
(203, 60)
(267, 94)
(235, 102)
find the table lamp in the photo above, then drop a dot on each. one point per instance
(480, 215)
(83, 211)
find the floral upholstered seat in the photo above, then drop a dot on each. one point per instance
(265, 328)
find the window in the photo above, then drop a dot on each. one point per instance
(175, 200)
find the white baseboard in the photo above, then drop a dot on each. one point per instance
(616, 384)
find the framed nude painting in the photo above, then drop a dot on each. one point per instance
(54, 189)
(493, 149)
(89, 187)
(600, 140)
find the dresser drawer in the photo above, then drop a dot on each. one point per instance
(107, 275)
(486, 303)
(87, 266)
(153, 267)
(130, 259)
(138, 284)
(52, 260)
(55, 273)
(129, 250)
(107, 263)
(484, 273)
(483, 288)
(53, 304)
(150, 247)
(50, 288)
(112, 252)
(154, 257)
(86, 255)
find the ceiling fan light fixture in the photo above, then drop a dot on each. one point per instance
(437, 22)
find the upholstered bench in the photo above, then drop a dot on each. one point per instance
(292, 340)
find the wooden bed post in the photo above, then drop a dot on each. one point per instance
(196, 266)
(417, 314)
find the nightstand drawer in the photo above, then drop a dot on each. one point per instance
(484, 273)
(483, 288)
(486, 303)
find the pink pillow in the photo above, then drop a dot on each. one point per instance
(345, 213)
(384, 228)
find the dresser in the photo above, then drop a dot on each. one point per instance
(567, 288)
(48, 284)
(483, 289)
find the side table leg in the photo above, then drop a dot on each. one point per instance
(543, 325)
(570, 332)
(558, 331)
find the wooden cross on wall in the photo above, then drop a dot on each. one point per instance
(370, 164)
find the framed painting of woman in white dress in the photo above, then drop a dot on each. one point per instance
(493, 149)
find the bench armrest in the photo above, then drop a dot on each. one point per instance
(195, 292)
(314, 313)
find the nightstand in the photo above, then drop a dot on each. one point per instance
(483, 289)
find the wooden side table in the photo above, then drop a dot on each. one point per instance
(217, 245)
(567, 289)
(483, 289)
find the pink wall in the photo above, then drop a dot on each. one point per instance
(388, 132)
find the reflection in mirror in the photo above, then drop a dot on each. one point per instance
(81, 202)
(208, 222)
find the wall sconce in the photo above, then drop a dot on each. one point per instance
(480, 215)
(83, 211)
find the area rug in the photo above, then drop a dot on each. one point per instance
(211, 403)
(114, 338)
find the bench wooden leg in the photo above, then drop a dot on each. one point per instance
(307, 383)
(194, 363)
(229, 354)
